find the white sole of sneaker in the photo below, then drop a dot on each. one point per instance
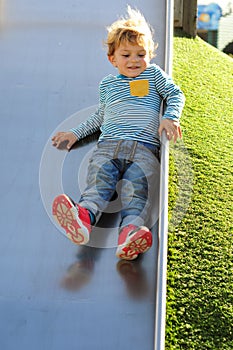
(66, 215)
(136, 243)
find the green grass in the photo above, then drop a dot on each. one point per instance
(200, 255)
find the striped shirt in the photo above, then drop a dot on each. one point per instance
(129, 108)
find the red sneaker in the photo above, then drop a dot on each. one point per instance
(73, 218)
(132, 241)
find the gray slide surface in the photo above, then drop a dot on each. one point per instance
(54, 295)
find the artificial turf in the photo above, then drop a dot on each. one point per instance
(200, 254)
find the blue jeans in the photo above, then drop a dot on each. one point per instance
(128, 168)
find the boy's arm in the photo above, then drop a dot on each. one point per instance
(88, 127)
(94, 122)
(172, 129)
(174, 99)
(64, 137)
(170, 93)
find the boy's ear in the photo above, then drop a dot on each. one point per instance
(112, 60)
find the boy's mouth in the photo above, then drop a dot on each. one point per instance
(134, 67)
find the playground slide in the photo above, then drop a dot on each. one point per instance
(55, 295)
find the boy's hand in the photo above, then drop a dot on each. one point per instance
(172, 129)
(64, 137)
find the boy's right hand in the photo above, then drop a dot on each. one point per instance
(64, 137)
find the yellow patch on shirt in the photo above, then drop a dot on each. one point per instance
(139, 88)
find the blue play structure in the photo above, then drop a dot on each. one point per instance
(208, 16)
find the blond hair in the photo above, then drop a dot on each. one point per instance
(131, 29)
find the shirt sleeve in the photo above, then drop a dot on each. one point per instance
(170, 93)
(94, 122)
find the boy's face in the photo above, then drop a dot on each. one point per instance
(130, 59)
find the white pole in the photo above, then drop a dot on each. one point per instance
(160, 312)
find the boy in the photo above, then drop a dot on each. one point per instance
(128, 147)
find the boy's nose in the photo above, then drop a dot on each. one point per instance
(134, 58)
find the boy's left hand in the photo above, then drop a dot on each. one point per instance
(172, 129)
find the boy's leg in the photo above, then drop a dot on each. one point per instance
(137, 193)
(73, 218)
(133, 240)
(103, 175)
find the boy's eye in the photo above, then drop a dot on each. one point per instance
(139, 55)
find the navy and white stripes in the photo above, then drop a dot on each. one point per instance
(123, 116)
